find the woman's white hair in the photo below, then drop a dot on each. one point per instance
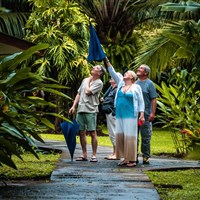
(133, 74)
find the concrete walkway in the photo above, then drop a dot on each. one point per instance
(103, 180)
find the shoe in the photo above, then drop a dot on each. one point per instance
(146, 161)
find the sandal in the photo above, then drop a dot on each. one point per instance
(107, 157)
(131, 164)
(93, 159)
(123, 163)
(113, 157)
(81, 159)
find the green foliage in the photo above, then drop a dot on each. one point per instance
(13, 23)
(122, 50)
(169, 184)
(117, 23)
(186, 6)
(65, 28)
(180, 109)
(13, 16)
(176, 43)
(21, 116)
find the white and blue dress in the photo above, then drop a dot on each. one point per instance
(127, 105)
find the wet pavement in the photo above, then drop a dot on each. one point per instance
(103, 180)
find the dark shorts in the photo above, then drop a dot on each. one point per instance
(87, 121)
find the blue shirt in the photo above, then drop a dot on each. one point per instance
(149, 93)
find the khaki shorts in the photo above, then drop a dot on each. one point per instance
(87, 121)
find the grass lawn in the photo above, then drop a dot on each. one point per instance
(30, 167)
(177, 185)
(161, 142)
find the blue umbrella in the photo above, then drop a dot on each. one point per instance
(96, 52)
(69, 130)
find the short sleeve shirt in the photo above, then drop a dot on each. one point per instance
(149, 93)
(89, 103)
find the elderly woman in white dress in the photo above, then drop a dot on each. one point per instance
(129, 105)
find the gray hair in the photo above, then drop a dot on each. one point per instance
(147, 68)
(103, 70)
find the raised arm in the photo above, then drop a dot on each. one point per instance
(112, 71)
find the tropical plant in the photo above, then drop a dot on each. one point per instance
(176, 44)
(65, 28)
(191, 139)
(118, 25)
(180, 109)
(21, 116)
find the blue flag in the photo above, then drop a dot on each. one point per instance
(96, 52)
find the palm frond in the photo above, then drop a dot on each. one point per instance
(13, 23)
(156, 53)
(181, 10)
(112, 16)
(176, 44)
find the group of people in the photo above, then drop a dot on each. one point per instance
(129, 106)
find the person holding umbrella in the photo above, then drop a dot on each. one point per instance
(87, 100)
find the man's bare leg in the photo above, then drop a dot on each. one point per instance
(83, 142)
(94, 142)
